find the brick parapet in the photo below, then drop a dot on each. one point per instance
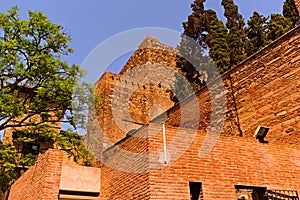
(41, 181)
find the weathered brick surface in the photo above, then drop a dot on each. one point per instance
(151, 50)
(125, 169)
(232, 161)
(266, 88)
(132, 98)
(262, 90)
(41, 181)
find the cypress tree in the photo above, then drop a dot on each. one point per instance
(195, 26)
(257, 33)
(202, 31)
(216, 40)
(191, 49)
(277, 26)
(190, 61)
(291, 12)
(237, 35)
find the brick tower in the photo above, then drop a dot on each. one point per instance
(133, 97)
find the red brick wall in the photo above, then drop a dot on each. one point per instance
(130, 114)
(232, 161)
(151, 50)
(263, 90)
(124, 175)
(41, 181)
(145, 94)
(266, 88)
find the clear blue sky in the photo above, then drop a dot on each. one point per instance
(91, 22)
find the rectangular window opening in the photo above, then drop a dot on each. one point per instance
(196, 192)
(263, 193)
(80, 195)
(250, 192)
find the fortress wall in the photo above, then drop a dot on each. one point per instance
(262, 90)
(125, 169)
(132, 98)
(41, 181)
(230, 161)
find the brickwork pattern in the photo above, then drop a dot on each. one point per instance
(233, 161)
(122, 177)
(143, 99)
(262, 90)
(151, 50)
(41, 181)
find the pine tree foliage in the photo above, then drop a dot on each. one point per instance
(277, 26)
(228, 45)
(190, 62)
(237, 34)
(217, 42)
(291, 12)
(190, 58)
(257, 33)
(195, 27)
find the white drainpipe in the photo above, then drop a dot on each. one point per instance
(165, 143)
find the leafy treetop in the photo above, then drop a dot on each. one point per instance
(34, 80)
(38, 91)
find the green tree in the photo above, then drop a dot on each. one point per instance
(202, 31)
(217, 42)
(38, 90)
(257, 33)
(237, 35)
(71, 142)
(204, 28)
(277, 26)
(67, 141)
(291, 12)
(34, 79)
(191, 63)
(8, 162)
(195, 27)
(190, 58)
